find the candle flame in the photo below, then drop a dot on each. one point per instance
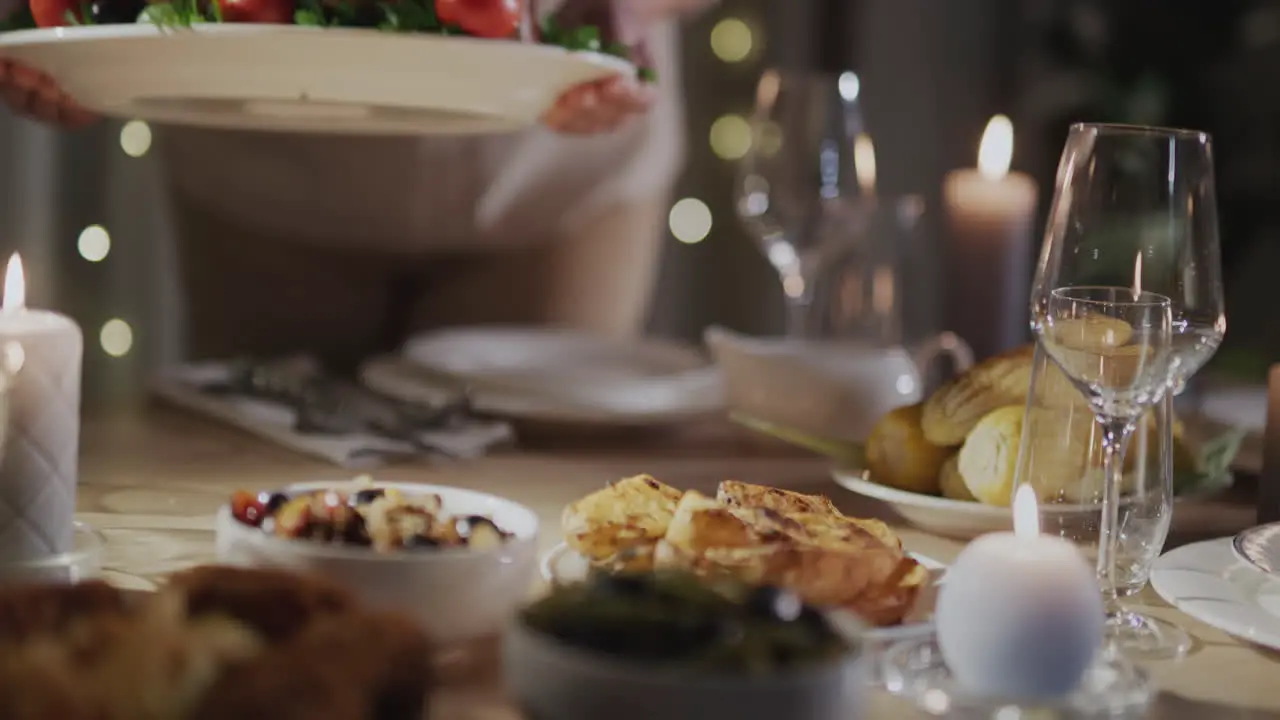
(864, 162)
(15, 285)
(1137, 276)
(1026, 515)
(995, 153)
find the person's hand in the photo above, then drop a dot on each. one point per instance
(605, 105)
(33, 94)
(599, 107)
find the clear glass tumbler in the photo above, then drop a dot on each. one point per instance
(1061, 456)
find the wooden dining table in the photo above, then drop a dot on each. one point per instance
(152, 478)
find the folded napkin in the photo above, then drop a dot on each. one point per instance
(187, 386)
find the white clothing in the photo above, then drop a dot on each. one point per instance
(430, 194)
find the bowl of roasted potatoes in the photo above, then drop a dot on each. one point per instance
(948, 464)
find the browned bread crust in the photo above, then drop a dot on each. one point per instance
(274, 603)
(739, 494)
(214, 643)
(955, 408)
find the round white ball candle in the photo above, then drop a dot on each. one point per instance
(1019, 614)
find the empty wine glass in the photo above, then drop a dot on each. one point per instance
(1127, 303)
(801, 185)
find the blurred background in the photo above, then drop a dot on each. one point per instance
(83, 209)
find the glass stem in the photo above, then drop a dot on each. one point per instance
(1116, 434)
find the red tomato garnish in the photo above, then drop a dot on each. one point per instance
(257, 11)
(246, 508)
(53, 13)
(482, 18)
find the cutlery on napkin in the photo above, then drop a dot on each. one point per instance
(294, 403)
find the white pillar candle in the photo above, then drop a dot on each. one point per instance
(1019, 615)
(990, 213)
(41, 353)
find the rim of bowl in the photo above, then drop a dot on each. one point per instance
(603, 662)
(87, 549)
(399, 556)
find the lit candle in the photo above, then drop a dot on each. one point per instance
(41, 353)
(990, 212)
(1020, 615)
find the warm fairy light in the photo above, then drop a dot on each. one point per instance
(769, 139)
(1026, 515)
(730, 137)
(690, 220)
(731, 40)
(135, 138)
(793, 286)
(864, 162)
(94, 243)
(849, 86)
(767, 91)
(15, 285)
(116, 337)
(995, 154)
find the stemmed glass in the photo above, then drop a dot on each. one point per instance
(801, 184)
(1127, 302)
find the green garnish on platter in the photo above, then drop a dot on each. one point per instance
(676, 621)
(19, 19)
(401, 16)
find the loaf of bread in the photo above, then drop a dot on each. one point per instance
(951, 482)
(955, 409)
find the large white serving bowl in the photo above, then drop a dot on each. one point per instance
(550, 679)
(456, 595)
(354, 81)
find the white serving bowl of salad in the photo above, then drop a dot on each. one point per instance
(665, 647)
(458, 561)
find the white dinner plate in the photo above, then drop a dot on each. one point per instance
(1208, 582)
(1260, 547)
(554, 375)
(307, 79)
(561, 564)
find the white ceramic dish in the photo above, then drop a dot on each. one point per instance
(554, 375)
(837, 389)
(943, 516)
(551, 680)
(959, 519)
(1208, 582)
(455, 594)
(336, 80)
(563, 565)
(1260, 547)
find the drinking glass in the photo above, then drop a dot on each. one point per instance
(1127, 302)
(1061, 457)
(801, 186)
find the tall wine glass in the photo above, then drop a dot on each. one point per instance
(800, 185)
(1127, 301)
